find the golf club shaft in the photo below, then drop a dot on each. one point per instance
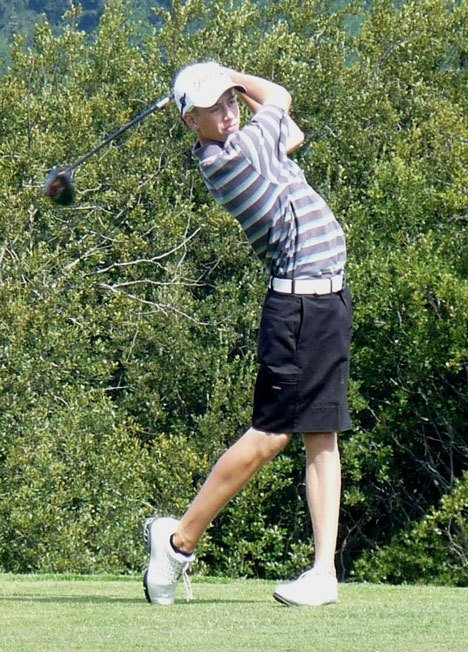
(161, 104)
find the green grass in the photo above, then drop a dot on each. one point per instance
(39, 613)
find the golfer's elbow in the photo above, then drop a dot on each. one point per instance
(286, 99)
(295, 139)
(279, 96)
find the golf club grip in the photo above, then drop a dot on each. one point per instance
(161, 104)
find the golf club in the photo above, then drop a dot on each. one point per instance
(59, 185)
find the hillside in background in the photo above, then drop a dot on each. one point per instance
(21, 16)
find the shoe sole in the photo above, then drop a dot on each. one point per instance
(147, 540)
(145, 586)
(290, 603)
(280, 598)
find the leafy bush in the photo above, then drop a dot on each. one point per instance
(433, 550)
(73, 489)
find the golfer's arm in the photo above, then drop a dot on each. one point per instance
(261, 91)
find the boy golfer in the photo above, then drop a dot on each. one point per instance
(304, 338)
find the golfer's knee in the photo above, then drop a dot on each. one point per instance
(268, 444)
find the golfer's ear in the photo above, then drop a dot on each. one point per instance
(191, 121)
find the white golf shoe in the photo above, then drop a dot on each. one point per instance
(311, 589)
(165, 565)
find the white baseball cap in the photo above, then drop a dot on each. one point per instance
(201, 85)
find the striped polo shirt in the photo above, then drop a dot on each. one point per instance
(289, 225)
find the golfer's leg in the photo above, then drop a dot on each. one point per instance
(323, 483)
(231, 472)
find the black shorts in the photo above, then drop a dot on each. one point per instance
(303, 351)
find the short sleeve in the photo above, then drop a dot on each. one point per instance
(263, 141)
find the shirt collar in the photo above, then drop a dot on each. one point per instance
(208, 149)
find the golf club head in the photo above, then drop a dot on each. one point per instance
(59, 187)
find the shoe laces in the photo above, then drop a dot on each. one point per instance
(180, 570)
(187, 583)
(174, 569)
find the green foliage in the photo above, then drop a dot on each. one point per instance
(73, 487)
(128, 321)
(434, 550)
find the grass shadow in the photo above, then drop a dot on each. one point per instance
(97, 599)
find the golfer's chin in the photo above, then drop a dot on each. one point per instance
(230, 130)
